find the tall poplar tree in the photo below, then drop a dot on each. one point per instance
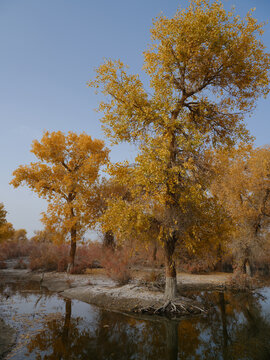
(206, 67)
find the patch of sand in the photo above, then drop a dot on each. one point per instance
(96, 288)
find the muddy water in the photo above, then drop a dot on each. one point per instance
(50, 327)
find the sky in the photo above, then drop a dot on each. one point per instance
(49, 50)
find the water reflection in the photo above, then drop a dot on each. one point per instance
(235, 329)
(114, 337)
(238, 327)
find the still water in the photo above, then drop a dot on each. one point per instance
(50, 327)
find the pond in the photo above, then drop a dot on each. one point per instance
(51, 327)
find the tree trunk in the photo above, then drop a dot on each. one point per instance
(73, 235)
(155, 252)
(219, 258)
(108, 240)
(247, 267)
(171, 283)
(169, 245)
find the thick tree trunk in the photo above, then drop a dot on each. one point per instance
(108, 240)
(171, 283)
(72, 252)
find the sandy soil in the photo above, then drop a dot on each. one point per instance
(96, 288)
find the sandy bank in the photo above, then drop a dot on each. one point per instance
(96, 288)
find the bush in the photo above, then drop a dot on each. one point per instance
(49, 257)
(20, 265)
(3, 265)
(87, 257)
(154, 277)
(243, 282)
(197, 266)
(142, 256)
(14, 249)
(116, 264)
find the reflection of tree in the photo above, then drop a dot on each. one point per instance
(222, 307)
(121, 337)
(60, 339)
(234, 329)
(172, 340)
(254, 332)
(114, 337)
(67, 320)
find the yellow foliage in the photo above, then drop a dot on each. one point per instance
(65, 175)
(6, 231)
(206, 67)
(242, 185)
(6, 228)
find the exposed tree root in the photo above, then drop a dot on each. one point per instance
(173, 308)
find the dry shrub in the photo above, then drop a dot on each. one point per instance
(3, 265)
(14, 249)
(117, 265)
(52, 257)
(197, 266)
(239, 282)
(88, 257)
(243, 282)
(154, 277)
(62, 265)
(48, 256)
(142, 256)
(20, 264)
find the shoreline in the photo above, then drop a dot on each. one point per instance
(97, 289)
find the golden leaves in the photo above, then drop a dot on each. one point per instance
(207, 67)
(65, 175)
(242, 185)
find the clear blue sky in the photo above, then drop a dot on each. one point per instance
(49, 49)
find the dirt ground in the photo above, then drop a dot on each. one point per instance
(96, 288)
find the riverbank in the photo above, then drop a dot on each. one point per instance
(97, 289)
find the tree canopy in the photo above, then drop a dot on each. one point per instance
(6, 228)
(65, 175)
(242, 185)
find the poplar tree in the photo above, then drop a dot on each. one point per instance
(66, 175)
(207, 67)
